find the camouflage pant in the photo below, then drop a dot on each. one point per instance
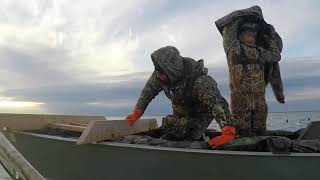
(184, 128)
(249, 114)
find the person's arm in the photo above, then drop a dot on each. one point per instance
(230, 37)
(276, 83)
(272, 53)
(149, 92)
(205, 89)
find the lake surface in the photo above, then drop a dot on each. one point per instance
(290, 121)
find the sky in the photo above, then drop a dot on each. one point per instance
(93, 57)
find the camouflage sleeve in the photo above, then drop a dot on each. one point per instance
(276, 83)
(149, 92)
(230, 37)
(206, 91)
(276, 37)
(233, 57)
(272, 54)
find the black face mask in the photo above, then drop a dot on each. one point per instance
(159, 70)
(166, 81)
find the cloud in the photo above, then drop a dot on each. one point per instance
(87, 57)
(90, 39)
(110, 37)
(119, 98)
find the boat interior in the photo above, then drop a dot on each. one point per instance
(95, 129)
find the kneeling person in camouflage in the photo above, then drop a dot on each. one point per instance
(196, 100)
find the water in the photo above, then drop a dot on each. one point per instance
(290, 121)
(296, 120)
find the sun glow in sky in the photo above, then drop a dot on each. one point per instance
(19, 104)
(11, 103)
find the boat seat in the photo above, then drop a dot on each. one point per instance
(67, 127)
(312, 131)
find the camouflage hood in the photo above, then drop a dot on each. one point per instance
(253, 13)
(169, 61)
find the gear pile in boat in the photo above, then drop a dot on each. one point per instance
(276, 141)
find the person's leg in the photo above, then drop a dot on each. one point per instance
(241, 117)
(197, 126)
(185, 128)
(259, 124)
(174, 127)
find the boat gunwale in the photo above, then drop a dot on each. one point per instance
(185, 150)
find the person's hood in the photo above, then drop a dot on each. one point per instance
(253, 13)
(168, 60)
(194, 69)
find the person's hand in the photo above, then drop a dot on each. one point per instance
(228, 134)
(134, 116)
(281, 101)
(280, 98)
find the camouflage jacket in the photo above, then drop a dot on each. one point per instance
(269, 55)
(191, 90)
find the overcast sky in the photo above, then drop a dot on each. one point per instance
(93, 57)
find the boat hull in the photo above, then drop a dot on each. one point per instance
(60, 158)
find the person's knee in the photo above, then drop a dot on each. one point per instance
(174, 127)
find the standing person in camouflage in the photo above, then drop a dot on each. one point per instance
(253, 50)
(195, 98)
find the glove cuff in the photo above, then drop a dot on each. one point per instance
(138, 112)
(228, 130)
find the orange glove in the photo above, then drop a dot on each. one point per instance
(228, 134)
(134, 116)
